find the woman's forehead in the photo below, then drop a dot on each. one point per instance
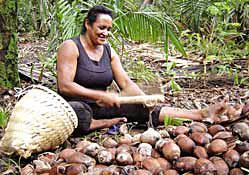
(104, 18)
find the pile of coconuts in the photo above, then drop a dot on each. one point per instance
(192, 148)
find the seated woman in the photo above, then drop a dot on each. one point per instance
(87, 65)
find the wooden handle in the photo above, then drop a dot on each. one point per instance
(142, 99)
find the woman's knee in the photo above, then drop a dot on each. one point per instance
(84, 114)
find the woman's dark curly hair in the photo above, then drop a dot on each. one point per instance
(93, 14)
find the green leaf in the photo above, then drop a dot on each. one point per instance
(175, 121)
(176, 42)
(175, 86)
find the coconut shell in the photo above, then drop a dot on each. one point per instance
(152, 165)
(171, 151)
(150, 136)
(165, 165)
(198, 127)
(200, 138)
(242, 146)
(215, 129)
(180, 130)
(155, 153)
(186, 144)
(104, 156)
(145, 149)
(161, 142)
(76, 169)
(125, 139)
(217, 146)
(236, 171)
(171, 172)
(109, 143)
(124, 158)
(223, 135)
(244, 159)
(138, 158)
(124, 148)
(81, 158)
(82, 145)
(200, 152)
(232, 158)
(220, 165)
(141, 172)
(128, 169)
(204, 166)
(242, 130)
(184, 164)
(64, 154)
(92, 149)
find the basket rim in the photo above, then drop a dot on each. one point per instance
(73, 117)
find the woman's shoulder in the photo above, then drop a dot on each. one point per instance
(68, 44)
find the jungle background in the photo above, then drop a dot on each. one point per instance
(192, 51)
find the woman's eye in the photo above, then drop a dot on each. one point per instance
(102, 27)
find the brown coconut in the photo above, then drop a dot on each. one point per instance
(171, 172)
(217, 146)
(236, 171)
(232, 158)
(201, 138)
(186, 144)
(152, 165)
(200, 152)
(244, 159)
(220, 165)
(215, 129)
(198, 127)
(171, 151)
(204, 166)
(184, 164)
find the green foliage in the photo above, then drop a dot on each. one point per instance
(175, 86)
(175, 121)
(140, 71)
(4, 115)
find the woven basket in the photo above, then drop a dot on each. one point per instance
(41, 120)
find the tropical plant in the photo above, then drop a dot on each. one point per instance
(131, 22)
(4, 115)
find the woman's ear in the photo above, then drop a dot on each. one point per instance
(87, 24)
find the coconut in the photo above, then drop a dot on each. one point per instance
(204, 166)
(220, 165)
(215, 129)
(150, 136)
(217, 146)
(200, 152)
(244, 159)
(171, 151)
(184, 164)
(232, 158)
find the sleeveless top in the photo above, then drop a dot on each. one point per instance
(92, 74)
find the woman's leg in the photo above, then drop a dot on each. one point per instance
(180, 113)
(209, 113)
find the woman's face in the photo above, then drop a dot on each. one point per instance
(100, 29)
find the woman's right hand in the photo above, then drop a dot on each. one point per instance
(108, 100)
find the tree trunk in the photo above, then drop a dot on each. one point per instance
(9, 76)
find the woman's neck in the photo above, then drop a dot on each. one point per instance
(87, 42)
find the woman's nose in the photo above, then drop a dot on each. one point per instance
(105, 32)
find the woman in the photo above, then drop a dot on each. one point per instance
(87, 65)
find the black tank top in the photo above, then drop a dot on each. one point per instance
(92, 74)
